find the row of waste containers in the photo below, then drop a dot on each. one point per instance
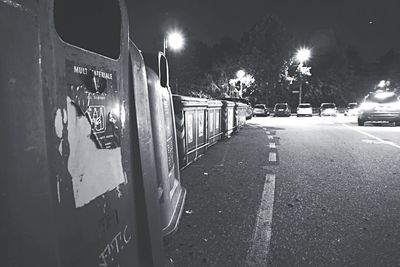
(183, 128)
(201, 123)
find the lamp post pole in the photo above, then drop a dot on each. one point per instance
(301, 85)
(174, 41)
(164, 45)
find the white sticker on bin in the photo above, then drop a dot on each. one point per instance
(189, 127)
(211, 121)
(217, 115)
(201, 123)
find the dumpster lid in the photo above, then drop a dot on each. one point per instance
(190, 101)
(214, 103)
(236, 99)
(241, 104)
(227, 103)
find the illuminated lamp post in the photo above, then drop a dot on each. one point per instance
(302, 56)
(173, 40)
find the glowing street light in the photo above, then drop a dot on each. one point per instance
(302, 55)
(240, 74)
(245, 79)
(174, 40)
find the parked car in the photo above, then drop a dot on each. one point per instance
(380, 106)
(328, 109)
(351, 109)
(249, 111)
(260, 110)
(282, 109)
(304, 109)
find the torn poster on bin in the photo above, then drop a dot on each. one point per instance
(95, 93)
(95, 115)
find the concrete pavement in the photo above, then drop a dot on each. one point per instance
(224, 191)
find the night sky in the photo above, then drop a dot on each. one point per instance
(371, 25)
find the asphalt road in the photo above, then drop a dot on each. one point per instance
(294, 192)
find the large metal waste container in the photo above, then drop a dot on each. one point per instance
(191, 126)
(171, 194)
(240, 115)
(214, 121)
(228, 118)
(78, 176)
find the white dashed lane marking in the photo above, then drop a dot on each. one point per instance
(256, 255)
(272, 145)
(272, 157)
(259, 248)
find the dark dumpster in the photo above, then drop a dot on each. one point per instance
(78, 176)
(171, 194)
(214, 132)
(228, 118)
(191, 126)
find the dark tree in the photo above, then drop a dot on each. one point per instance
(264, 50)
(189, 68)
(226, 55)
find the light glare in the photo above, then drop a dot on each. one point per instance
(175, 40)
(240, 74)
(366, 106)
(382, 84)
(381, 95)
(303, 55)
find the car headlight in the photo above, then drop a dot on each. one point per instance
(366, 106)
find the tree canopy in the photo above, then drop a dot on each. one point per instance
(336, 71)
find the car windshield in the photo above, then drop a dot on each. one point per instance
(280, 106)
(385, 97)
(259, 106)
(328, 105)
(305, 106)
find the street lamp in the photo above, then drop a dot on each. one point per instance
(240, 74)
(173, 40)
(302, 56)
